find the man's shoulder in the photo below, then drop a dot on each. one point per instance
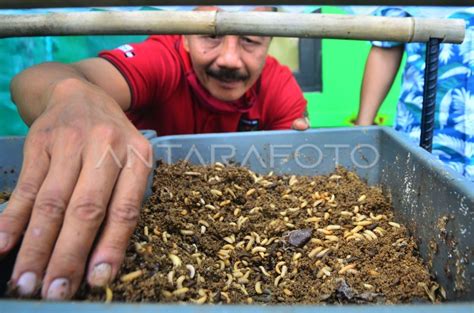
(169, 41)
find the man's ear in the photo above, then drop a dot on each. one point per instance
(186, 43)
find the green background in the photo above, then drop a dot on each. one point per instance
(343, 64)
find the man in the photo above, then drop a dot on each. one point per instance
(173, 84)
(453, 141)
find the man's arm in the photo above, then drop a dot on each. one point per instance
(30, 87)
(78, 175)
(380, 71)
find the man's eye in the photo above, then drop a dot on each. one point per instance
(248, 40)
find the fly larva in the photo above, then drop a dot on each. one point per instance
(221, 265)
(131, 276)
(332, 198)
(191, 270)
(346, 268)
(230, 239)
(250, 192)
(224, 203)
(186, 232)
(317, 203)
(335, 177)
(175, 260)
(216, 216)
(356, 229)
(393, 224)
(287, 292)
(356, 209)
(237, 187)
(295, 257)
(332, 238)
(230, 279)
(346, 213)
(200, 300)
(313, 219)
(109, 296)
(237, 212)
(379, 230)
(170, 277)
(210, 207)
(216, 192)
(333, 227)
(192, 174)
(324, 231)
(264, 242)
(156, 231)
(367, 236)
(180, 291)
(292, 180)
(277, 281)
(362, 198)
(164, 236)
(286, 197)
(304, 204)
(250, 243)
(258, 249)
(325, 271)
(179, 281)
(219, 164)
(264, 271)
(371, 234)
(278, 266)
(315, 251)
(316, 241)
(241, 221)
(293, 210)
(226, 296)
(290, 225)
(240, 244)
(228, 247)
(368, 286)
(376, 217)
(258, 288)
(255, 210)
(322, 253)
(363, 223)
(166, 293)
(373, 273)
(145, 231)
(230, 192)
(326, 216)
(203, 229)
(257, 236)
(284, 270)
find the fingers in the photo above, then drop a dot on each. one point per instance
(121, 219)
(35, 166)
(84, 215)
(300, 124)
(47, 216)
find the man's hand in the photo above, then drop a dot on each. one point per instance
(300, 124)
(85, 168)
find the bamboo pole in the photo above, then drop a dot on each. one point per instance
(22, 4)
(238, 23)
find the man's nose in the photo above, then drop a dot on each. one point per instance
(229, 55)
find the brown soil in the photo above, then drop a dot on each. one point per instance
(222, 234)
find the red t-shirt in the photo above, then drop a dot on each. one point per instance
(163, 100)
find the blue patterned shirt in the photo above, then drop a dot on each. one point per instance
(453, 141)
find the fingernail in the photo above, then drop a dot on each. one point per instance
(26, 284)
(100, 275)
(4, 240)
(58, 290)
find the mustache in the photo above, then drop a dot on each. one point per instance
(226, 74)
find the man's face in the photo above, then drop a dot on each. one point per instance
(227, 66)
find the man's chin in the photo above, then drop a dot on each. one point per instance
(228, 91)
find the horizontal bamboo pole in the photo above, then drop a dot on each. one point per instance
(238, 23)
(21, 4)
(341, 26)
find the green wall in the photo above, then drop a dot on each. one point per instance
(343, 68)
